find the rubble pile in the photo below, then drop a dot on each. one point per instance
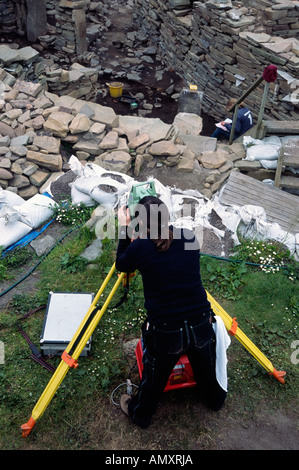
(39, 131)
(25, 63)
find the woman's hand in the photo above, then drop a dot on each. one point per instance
(123, 216)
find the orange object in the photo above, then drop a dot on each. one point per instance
(233, 328)
(278, 374)
(125, 278)
(181, 375)
(27, 427)
(69, 360)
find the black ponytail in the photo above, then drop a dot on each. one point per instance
(156, 223)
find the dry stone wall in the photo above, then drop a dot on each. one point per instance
(224, 46)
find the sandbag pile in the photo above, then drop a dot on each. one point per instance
(19, 217)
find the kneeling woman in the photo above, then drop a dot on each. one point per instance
(179, 317)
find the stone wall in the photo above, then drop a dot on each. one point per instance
(59, 23)
(224, 46)
(23, 17)
(68, 32)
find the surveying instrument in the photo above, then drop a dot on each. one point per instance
(70, 356)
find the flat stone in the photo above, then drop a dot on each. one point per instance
(188, 123)
(116, 161)
(138, 141)
(4, 150)
(5, 174)
(27, 192)
(50, 144)
(89, 146)
(36, 123)
(6, 130)
(58, 123)
(19, 181)
(29, 168)
(245, 165)
(14, 114)
(185, 165)
(5, 163)
(104, 114)
(29, 88)
(20, 139)
(154, 127)
(110, 141)
(199, 144)
(8, 55)
(93, 251)
(19, 150)
(42, 102)
(42, 245)
(52, 162)
(279, 47)
(256, 38)
(213, 160)
(38, 178)
(164, 148)
(28, 54)
(97, 128)
(5, 141)
(87, 111)
(80, 123)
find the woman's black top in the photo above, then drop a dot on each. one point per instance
(171, 280)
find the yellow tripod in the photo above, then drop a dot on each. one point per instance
(70, 356)
(232, 327)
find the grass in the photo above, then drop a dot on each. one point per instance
(266, 306)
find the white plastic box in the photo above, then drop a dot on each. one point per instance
(65, 311)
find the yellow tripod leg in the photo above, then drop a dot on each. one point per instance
(71, 354)
(232, 327)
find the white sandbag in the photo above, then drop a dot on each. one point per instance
(268, 181)
(121, 178)
(11, 233)
(269, 164)
(33, 212)
(86, 185)
(9, 198)
(248, 141)
(262, 152)
(78, 197)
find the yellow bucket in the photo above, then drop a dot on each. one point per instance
(116, 89)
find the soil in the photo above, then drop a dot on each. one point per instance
(153, 88)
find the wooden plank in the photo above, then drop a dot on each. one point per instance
(282, 127)
(261, 194)
(256, 201)
(280, 207)
(279, 168)
(291, 153)
(290, 182)
(279, 214)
